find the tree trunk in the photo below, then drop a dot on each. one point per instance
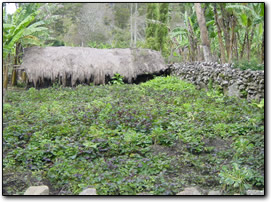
(222, 48)
(14, 72)
(243, 46)
(236, 45)
(233, 23)
(135, 30)
(263, 45)
(203, 32)
(6, 67)
(247, 39)
(191, 38)
(225, 25)
(5, 82)
(131, 24)
(151, 29)
(250, 41)
(14, 77)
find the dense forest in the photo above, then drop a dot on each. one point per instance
(222, 32)
(171, 134)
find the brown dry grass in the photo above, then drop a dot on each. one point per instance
(89, 64)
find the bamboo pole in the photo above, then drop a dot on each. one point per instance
(14, 71)
(14, 77)
(5, 80)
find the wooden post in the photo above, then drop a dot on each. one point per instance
(14, 77)
(24, 76)
(64, 80)
(5, 80)
(14, 71)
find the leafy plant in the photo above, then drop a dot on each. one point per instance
(241, 146)
(168, 136)
(238, 177)
(21, 30)
(259, 105)
(117, 79)
(244, 65)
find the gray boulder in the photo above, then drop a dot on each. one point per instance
(89, 191)
(189, 191)
(144, 193)
(255, 192)
(213, 192)
(37, 190)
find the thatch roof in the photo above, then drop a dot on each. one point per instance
(84, 65)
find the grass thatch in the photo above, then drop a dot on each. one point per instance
(73, 65)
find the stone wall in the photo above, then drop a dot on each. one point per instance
(234, 82)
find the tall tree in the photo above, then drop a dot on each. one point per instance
(203, 32)
(226, 27)
(151, 30)
(248, 20)
(232, 38)
(157, 30)
(219, 33)
(262, 55)
(133, 24)
(97, 30)
(192, 38)
(162, 30)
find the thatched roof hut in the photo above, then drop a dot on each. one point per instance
(73, 65)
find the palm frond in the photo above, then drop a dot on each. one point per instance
(30, 31)
(24, 24)
(242, 8)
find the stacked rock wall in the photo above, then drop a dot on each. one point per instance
(235, 82)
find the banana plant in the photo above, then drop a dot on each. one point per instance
(179, 37)
(250, 18)
(257, 45)
(21, 31)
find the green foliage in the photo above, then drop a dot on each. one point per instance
(244, 65)
(22, 28)
(249, 22)
(151, 30)
(58, 43)
(259, 105)
(114, 44)
(156, 137)
(236, 178)
(242, 146)
(121, 15)
(94, 44)
(157, 30)
(117, 79)
(170, 83)
(162, 31)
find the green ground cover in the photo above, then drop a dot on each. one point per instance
(157, 137)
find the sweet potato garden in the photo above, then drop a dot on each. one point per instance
(157, 137)
(133, 98)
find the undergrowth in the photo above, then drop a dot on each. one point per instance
(157, 137)
(246, 65)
